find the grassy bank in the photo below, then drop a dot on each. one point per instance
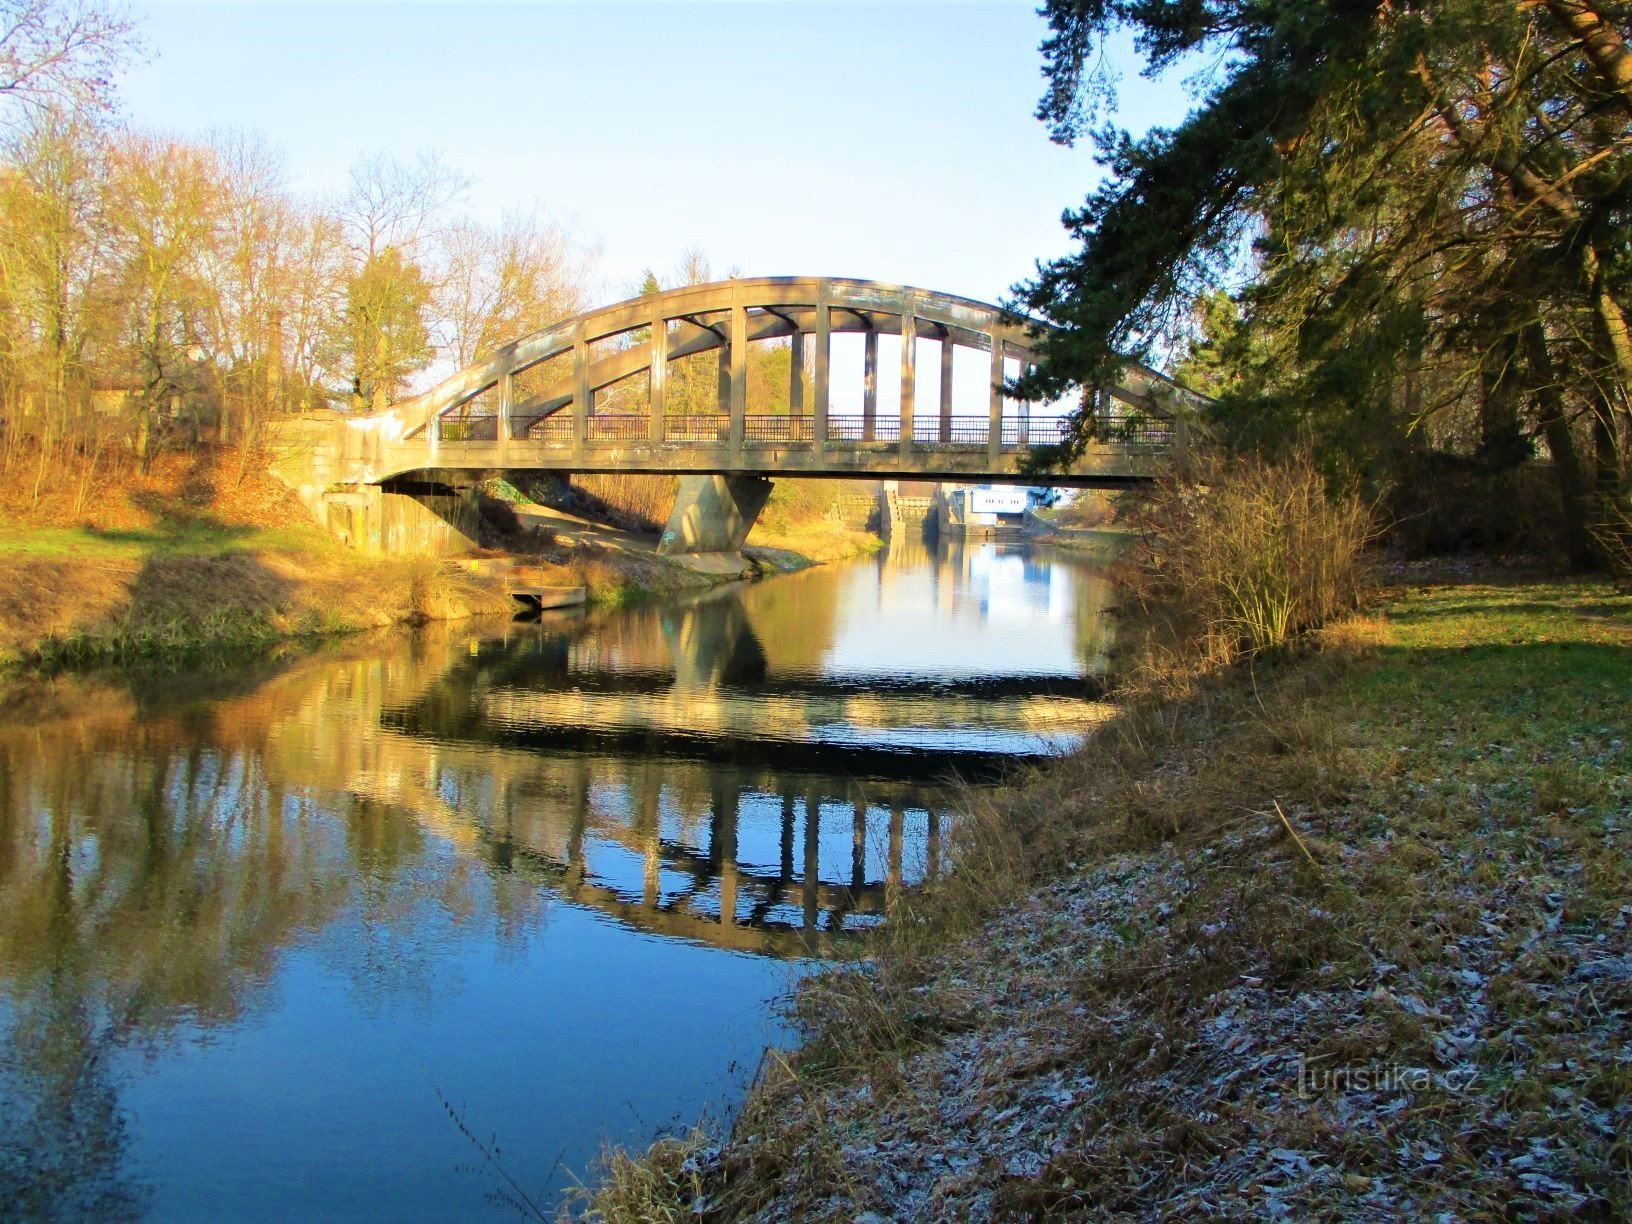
(82, 596)
(1348, 934)
(804, 543)
(192, 557)
(1103, 545)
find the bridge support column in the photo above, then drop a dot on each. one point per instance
(722, 377)
(909, 371)
(659, 376)
(796, 375)
(1025, 411)
(947, 350)
(994, 412)
(583, 394)
(713, 513)
(506, 429)
(738, 401)
(824, 355)
(869, 387)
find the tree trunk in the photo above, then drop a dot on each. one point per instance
(1579, 545)
(1502, 445)
(1616, 333)
(1602, 43)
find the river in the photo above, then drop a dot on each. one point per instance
(312, 937)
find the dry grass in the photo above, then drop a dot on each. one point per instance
(658, 1187)
(65, 609)
(632, 500)
(1238, 556)
(811, 541)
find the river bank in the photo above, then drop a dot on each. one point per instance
(1347, 936)
(187, 560)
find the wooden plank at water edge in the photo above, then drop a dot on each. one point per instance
(529, 584)
(557, 597)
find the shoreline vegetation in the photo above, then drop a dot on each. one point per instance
(1330, 919)
(196, 558)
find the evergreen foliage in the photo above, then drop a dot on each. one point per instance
(1433, 206)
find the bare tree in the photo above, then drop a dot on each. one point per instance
(501, 283)
(388, 213)
(54, 253)
(249, 278)
(165, 210)
(62, 52)
(389, 203)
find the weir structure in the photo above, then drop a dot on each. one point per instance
(559, 401)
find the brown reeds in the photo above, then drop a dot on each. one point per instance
(1238, 556)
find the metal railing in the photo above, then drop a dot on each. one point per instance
(714, 427)
(607, 427)
(468, 427)
(556, 428)
(1038, 431)
(768, 428)
(854, 428)
(1133, 429)
(960, 431)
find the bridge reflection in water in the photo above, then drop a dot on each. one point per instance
(701, 770)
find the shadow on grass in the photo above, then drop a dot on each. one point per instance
(184, 605)
(178, 524)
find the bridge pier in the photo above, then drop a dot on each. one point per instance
(713, 513)
(869, 390)
(810, 881)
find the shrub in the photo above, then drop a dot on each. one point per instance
(1239, 556)
(1613, 533)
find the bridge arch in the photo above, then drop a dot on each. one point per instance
(531, 405)
(501, 413)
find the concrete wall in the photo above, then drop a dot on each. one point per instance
(374, 521)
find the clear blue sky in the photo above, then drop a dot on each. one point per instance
(890, 141)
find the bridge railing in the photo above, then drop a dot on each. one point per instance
(960, 430)
(773, 428)
(1125, 429)
(555, 428)
(1040, 431)
(471, 428)
(852, 428)
(1134, 429)
(607, 427)
(711, 427)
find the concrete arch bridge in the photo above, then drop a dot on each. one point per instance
(560, 400)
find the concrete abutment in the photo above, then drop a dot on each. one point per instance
(713, 514)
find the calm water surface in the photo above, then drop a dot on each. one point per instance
(268, 939)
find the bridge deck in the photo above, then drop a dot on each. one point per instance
(1113, 464)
